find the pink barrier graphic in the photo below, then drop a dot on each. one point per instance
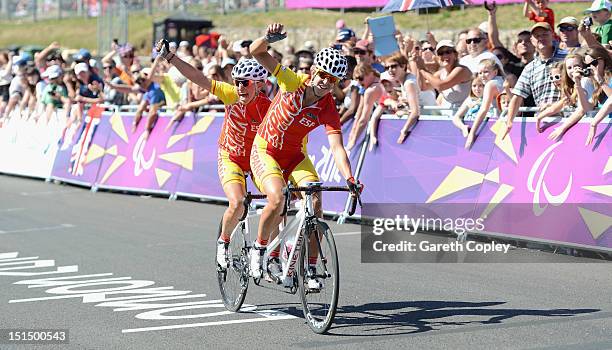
(80, 154)
(203, 179)
(132, 162)
(296, 4)
(525, 185)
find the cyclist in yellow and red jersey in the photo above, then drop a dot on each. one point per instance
(245, 108)
(303, 102)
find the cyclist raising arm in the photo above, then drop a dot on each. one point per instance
(303, 103)
(245, 108)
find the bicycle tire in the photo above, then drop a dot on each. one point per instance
(318, 313)
(234, 280)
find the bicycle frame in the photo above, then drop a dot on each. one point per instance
(305, 213)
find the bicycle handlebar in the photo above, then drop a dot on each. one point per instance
(355, 198)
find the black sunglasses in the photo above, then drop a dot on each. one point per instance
(567, 28)
(359, 52)
(429, 49)
(593, 63)
(445, 52)
(473, 40)
(394, 65)
(244, 82)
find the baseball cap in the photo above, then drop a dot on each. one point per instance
(599, 5)
(445, 43)
(52, 72)
(387, 76)
(226, 61)
(81, 67)
(568, 20)
(184, 43)
(363, 44)
(345, 34)
(82, 55)
(126, 50)
(237, 45)
(484, 27)
(542, 25)
(172, 44)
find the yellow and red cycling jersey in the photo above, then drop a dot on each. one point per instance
(240, 123)
(288, 121)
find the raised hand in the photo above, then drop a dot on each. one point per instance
(275, 33)
(163, 47)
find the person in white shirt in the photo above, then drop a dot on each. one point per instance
(477, 45)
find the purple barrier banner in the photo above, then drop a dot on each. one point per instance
(203, 178)
(564, 187)
(323, 160)
(82, 150)
(524, 185)
(133, 163)
(297, 4)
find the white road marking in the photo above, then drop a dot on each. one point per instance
(8, 210)
(34, 229)
(10, 255)
(269, 315)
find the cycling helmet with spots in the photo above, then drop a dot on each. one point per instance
(331, 61)
(249, 69)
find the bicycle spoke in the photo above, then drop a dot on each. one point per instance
(234, 280)
(320, 303)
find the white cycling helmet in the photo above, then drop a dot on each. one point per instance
(331, 61)
(249, 69)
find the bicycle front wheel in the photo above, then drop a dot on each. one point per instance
(234, 280)
(320, 304)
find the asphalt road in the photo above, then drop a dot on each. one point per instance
(153, 245)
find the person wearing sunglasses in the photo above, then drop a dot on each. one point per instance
(568, 33)
(477, 43)
(245, 108)
(552, 109)
(369, 79)
(428, 53)
(535, 79)
(591, 76)
(126, 57)
(364, 53)
(453, 80)
(303, 103)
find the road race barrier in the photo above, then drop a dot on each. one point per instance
(558, 191)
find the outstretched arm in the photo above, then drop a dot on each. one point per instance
(493, 28)
(488, 97)
(190, 72)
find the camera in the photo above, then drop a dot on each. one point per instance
(586, 72)
(587, 21)
(337, 46)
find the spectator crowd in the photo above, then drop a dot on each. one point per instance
(560, 68)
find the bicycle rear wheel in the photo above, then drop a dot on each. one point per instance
(320, 305)
(234, 280)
